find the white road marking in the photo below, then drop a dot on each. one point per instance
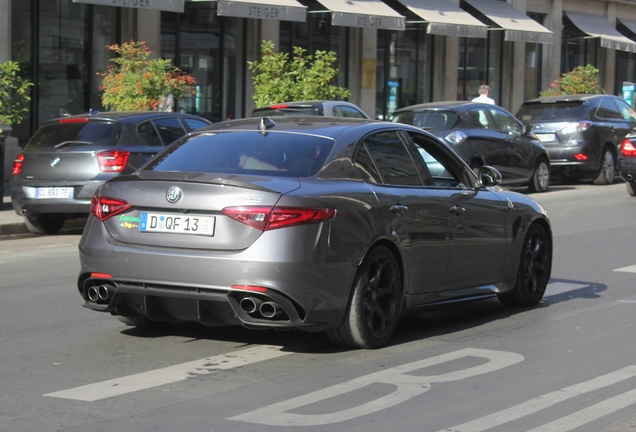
(407, 386)
(628, 269)
(546, 401)
(171, 374)
(556, 288)
(589, 414)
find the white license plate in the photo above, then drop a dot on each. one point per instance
(176, 223)
(53, 192)
(546, 137)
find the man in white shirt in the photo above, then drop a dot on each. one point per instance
(483, 95)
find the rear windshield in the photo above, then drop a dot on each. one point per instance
(93, 133)
(289, 111)
(559, 111)
(431, 120)
(247, 152)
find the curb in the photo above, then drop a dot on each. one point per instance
(19, 228)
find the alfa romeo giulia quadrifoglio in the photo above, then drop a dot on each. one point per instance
(340, 226)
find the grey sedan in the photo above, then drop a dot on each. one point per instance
(334, 225)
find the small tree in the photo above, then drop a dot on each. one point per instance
(14, 93)
(135, 83)
(306, 77)
(581, 80)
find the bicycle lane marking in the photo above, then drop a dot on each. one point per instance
(171, 374)
(547, 400)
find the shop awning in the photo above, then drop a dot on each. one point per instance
(163, 5)
(446, 18)
(598, 26)
(518, 26)
(363, 13)
(630, 24)
(280, 10)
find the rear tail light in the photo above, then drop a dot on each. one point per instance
(269, 218)
(576, 127)
(584, 125)
(627, 148)
(580, 156)
(113, 160)
(17, 164)
(279, 106)
(103, 207)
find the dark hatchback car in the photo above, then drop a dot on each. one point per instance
(64, 162)
(627, 162)
(484, 134)
(582, 133)
(324, 225)
(321, 108)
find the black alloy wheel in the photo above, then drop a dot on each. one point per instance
(374, 308)
(607, 173)
(533, 273)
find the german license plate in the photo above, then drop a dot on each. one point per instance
(546, 137)
(53, 192)
(178, 224)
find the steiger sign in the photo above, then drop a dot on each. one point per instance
(164, 5)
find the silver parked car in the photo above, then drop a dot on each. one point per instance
(66, 159)
(326, 108)
(329, 225)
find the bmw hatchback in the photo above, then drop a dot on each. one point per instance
(66, 159)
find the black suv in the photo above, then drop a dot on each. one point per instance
(64, 162)
(582, 133)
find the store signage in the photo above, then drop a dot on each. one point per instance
(163, 5)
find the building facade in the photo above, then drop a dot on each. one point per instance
(391, 53)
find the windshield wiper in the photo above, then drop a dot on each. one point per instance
(66, 143)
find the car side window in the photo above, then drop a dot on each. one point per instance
(169, 128)
(193, 124)
(444, 170)
(627, 111)
(608, 110)
(383, 158)
(346, 111)
(149, 133)
(505, 122)
(479, 118)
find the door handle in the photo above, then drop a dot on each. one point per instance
(398, 208)
(456, 210)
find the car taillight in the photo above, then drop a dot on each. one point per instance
(268, 218)
(627, 148)
(584, 125)
(103, 207)
(17, 164)
(112, 160)
(279, 106)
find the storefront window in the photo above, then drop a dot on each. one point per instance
(21, 51)
(577, 49)
(479, 63)
(210, 48)
(403, 71)
(534, 54)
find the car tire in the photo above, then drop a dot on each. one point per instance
(374, 307)
(631, 188)
(607, 174)
(541, 177)
(533, 273)
(44, 224)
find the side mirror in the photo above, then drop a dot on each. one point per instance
(488, 176)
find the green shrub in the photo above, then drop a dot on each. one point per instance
(581, 80)
(14, 93)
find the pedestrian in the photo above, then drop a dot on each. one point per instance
(484, 90)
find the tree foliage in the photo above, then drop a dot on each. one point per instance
(133, 82)
(277, 79)
(14, 93)
(581, 80)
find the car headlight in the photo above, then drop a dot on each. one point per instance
(456, 137)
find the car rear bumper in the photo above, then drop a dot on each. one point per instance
(627, 168)
(562, 157)
(215, 288)
(24, 201)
